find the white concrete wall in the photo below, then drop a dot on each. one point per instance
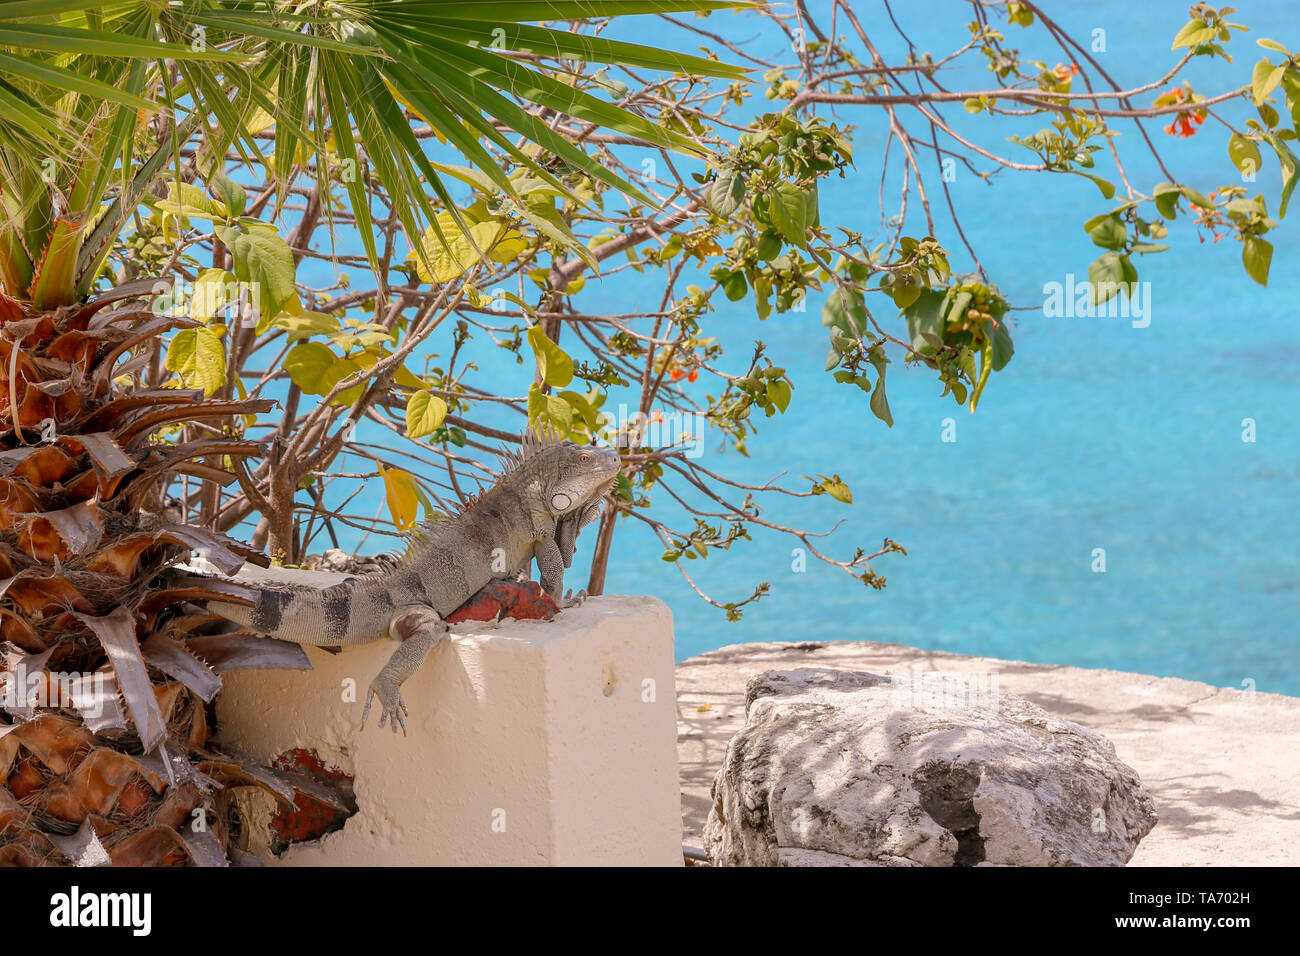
(531, 742)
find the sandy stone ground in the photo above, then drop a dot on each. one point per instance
(1222, 765)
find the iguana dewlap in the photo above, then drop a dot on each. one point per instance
(546, 494)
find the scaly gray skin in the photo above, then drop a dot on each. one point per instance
(545, 496)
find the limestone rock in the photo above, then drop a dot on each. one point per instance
(336, 560)
(845, 768)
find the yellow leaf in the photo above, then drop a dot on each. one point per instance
(583, 408)
(407, 379)
(552, 361)
(199, 357)
(424, 413)
(340, 370)
(509, 246)
(403, 496)
(213, 291)
(453, 258)
(303, 325)
(308, 364)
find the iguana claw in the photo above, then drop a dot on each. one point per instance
(573, 600)
(393, 707)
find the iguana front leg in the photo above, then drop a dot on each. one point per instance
(566, 531)
(550, 566)
(419, 629)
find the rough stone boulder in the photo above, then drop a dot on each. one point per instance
(847, 768)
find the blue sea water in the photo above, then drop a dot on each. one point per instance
(1098, 435)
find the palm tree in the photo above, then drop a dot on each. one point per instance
(99, 101)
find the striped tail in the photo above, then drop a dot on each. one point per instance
(320, 617)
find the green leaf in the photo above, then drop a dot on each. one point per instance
(232, 195)
(1198, 198)
(1290, 170)
(726, 193)
(1264, 80)
(1244, 153)
(1273, 45)
(763, 296)
(925, 319)
(845, 313)
(1108, 274)
(549, 411)
(1110, 233)
(1105, 185)
(778, 393)
(261, 257)
(812, 208)
(906, 289)
(199, 357)
(789, 213)
(1166, 196)
(769, 246)
(1193, 34)
(553, 362)
(1257, 256)
(879, 401)
(1019, 14)
(583, 408)
(424, 413)
(623, 488)
(734, 286)
(1000, 338)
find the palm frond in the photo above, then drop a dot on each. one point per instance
(78, 77)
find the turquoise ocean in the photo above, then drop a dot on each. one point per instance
(1098, 435)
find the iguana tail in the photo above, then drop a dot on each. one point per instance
(344, 613)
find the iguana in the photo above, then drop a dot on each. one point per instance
(546, 493)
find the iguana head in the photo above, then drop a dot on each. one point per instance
(582, 475)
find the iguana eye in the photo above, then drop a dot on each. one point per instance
(584, 458)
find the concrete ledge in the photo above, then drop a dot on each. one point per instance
(1222, 765)
(530, 742)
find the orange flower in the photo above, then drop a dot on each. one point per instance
(657, 416)
(1208, 219)
(1064, 72)
(1184, 124)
